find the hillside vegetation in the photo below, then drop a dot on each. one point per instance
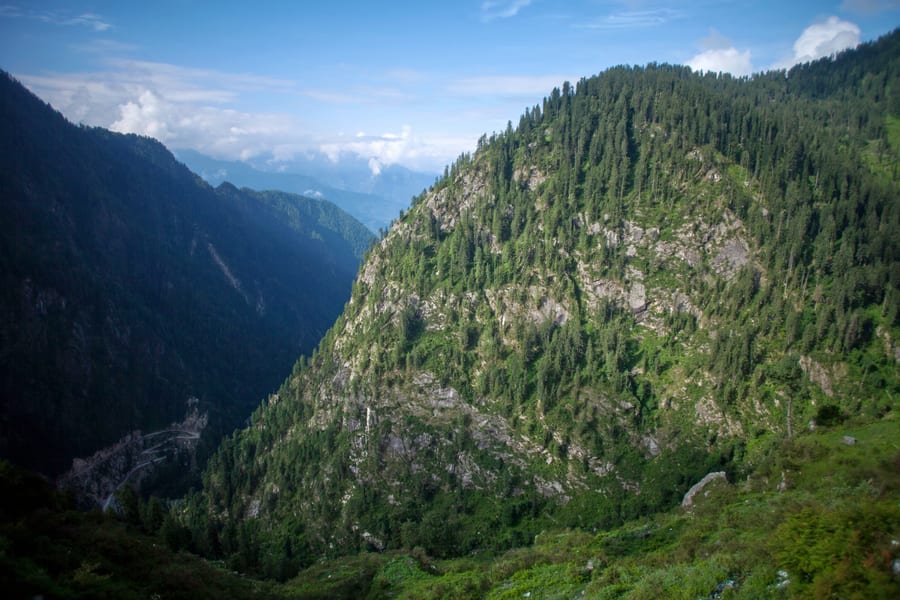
(654, 275)
(818, 518)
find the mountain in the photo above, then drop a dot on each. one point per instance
(656, 275)
(375, 200)
(134, 294)
(350, 171)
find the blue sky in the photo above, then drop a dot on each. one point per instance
(411, 83)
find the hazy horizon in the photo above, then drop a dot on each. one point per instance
(408, 84)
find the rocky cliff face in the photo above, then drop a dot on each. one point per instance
(134, 459)
(580, 321)
(405, 406)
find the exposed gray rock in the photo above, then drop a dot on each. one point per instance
(651, 445)
(550, 309)
(817, 374)
(700, 485)
(532, 178)
(783, 579)
(95, 480)
(784, 484)
(637, 297)
(373, 541)
(731, 256)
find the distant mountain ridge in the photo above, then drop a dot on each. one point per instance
(130, 286)
(375, 200)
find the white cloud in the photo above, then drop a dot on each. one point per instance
(64, 18)
(203, 110)
(147, 116)
(211, 130)
(90, 20)
(822, 39)
(633, 19)
(181, 107)
(404, 148)
(723, 60)
(501, 9)
(720, 56)
(185, 79)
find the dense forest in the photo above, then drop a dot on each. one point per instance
(130, 286)
(654, 275)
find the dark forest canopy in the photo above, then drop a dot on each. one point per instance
(130, 285)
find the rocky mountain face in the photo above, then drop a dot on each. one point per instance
(651, 277)
(135, 459)
(130, 286)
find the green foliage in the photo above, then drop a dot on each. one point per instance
(820, 536)
(843, 551)
(828, 415)
(48, 549)
(654, 276)
(349, 577)
(403, 571)
(542, 581)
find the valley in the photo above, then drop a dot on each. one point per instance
(642, 342)
(131, 288)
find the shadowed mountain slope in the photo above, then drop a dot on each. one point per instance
(130, 286)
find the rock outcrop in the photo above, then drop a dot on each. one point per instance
(133, 459)
(700, 486)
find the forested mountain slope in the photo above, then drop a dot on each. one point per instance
(129, 286)
(654, 275)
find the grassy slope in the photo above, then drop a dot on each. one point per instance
(817, 518)
(830, 531)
